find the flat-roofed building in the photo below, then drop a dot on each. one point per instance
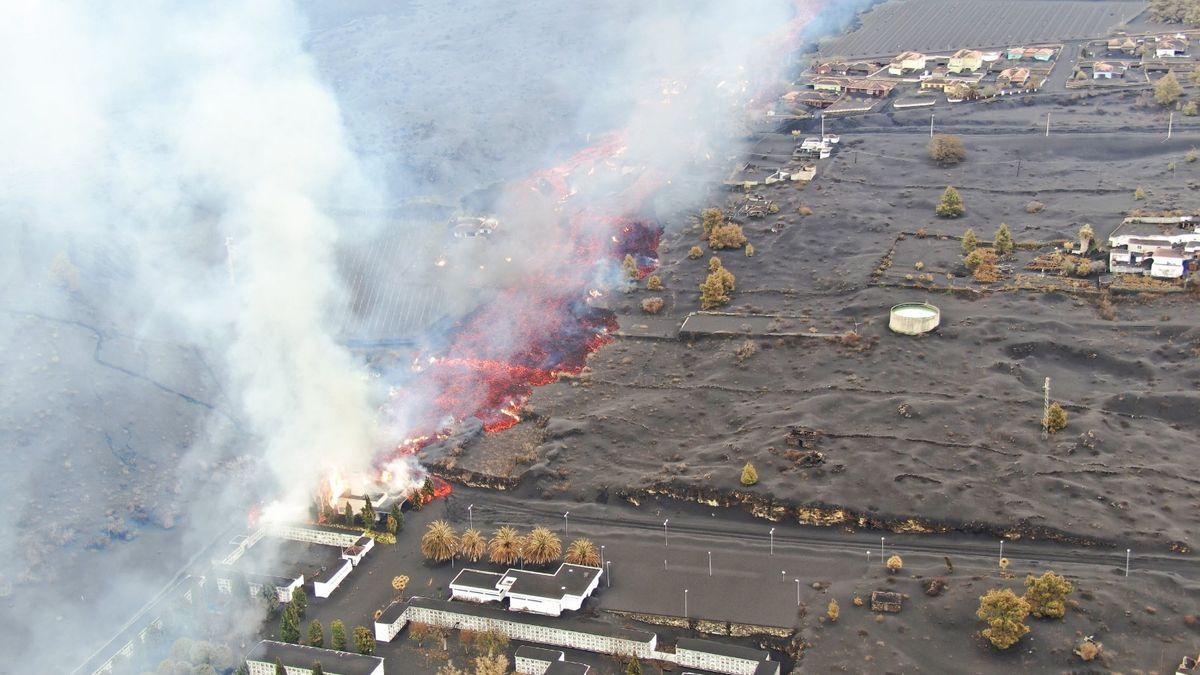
(526, 591)
(300, 659)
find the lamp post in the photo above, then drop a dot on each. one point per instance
(685, 607)
(601, 555)
(881, 555)
(470, 516)
(710, 563)
(772, 533)
(1002, 549)
(566, 524)
(665, 532)
(1127, 553)
(797, 592)
(608, 572)
(931, 125)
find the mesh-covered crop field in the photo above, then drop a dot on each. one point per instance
(942, 25)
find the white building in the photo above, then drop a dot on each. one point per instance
(1171, 46)
(527, 591)
(299, 660)
(1157, 247)
(573, 633)
(723, 658)
(538, 661)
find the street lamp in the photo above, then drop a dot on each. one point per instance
(772, 533)
(710, 563)
(608, 572)
(566, 524)
(602, 555)
(470, 516)
(685, 608)
(665, 531)
(797, 592)
(881, 555)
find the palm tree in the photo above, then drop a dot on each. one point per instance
(583, 552)
(542, 546)
(473, 545)
(439, 542)
(505, 546)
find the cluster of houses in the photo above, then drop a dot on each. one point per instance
(1122, 53)
(1163, 247)
(859, 86)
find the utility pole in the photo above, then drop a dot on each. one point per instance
(566, 524)
(797, 592)
(601, 555)
(1001, 549)
(1018, 164)
(881, 556)
(931, 125)
(1046, 409)
(1047, 125)
(608, 572)
(1127, 552)
(710, 563)
(1170, 120)
(665, 543)
(772, 533)
(470, 517)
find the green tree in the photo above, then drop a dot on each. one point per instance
(711, 219)
(270, 599)
(317, 669)
(951, 204)
(279, 669)
(316, 634)
(242, 669)
(364, 640)
(629, 267)
(969, 241)
(1047, 595)
(289, 625)
(440, 542)
(397, 516)
(348, 516)
(633, 667)
(337, 635)
(1167, 90)
(1003, 242)
(749, 475)
(542, 546)
(1055, 419)
(300, 601)
(367, 514)
(1004, 612)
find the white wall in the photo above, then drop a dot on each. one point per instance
(324, 589)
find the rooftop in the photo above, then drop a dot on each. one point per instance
(566, 580)
(343, 663)
(576, 624)
(722, 648)
(469, 578)
(528, 652)
(566, 668)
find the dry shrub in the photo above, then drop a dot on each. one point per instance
(1034, 207)
(746, 350)
(1104, 308)
(727, 236)
(947, 150)
(695, 252)
(654, 282)
(805, 210)
(652, 305)
(934, 587)
(1088, 650)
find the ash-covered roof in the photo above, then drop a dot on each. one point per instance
(576, 624)
(721, 648)
(566, 580)
(303, 656)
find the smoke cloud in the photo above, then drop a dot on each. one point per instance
(181, 186)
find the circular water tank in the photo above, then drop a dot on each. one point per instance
(914, 318)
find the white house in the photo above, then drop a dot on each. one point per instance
(299, 660)
(527, 591)
(1157, 247)
(907, 61)
(1168, 263)
(1171, 46)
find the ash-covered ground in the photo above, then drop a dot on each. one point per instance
(941, 430)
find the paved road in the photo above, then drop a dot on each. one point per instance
(508, 509)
